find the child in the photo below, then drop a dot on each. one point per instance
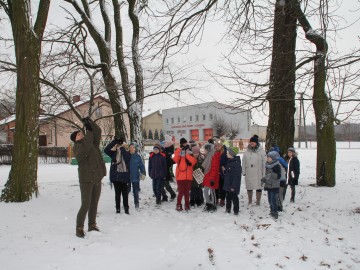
(293, 172)
(136, 167)
(232, 180)
(168, 151)
(196, 192)
(211, 165)
(184, 173)
(272, 181)
(157, 171)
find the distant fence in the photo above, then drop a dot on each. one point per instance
(47, 154)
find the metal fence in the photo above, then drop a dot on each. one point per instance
(49, 155)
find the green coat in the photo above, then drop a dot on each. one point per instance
(87, 153)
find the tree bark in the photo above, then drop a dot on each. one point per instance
(22, 181)
(324, 115)
(281, 126)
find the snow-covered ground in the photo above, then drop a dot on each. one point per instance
(319, 231)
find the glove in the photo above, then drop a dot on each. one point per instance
(142, 176)
(87, 123)
(282, 183)
(182, 153)
(188, 152)
(212, 183)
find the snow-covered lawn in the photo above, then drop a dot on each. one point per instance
(319, 231)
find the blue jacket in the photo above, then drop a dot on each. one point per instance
(136, 166)
(233, 175)
(157, 166)
(116, 176)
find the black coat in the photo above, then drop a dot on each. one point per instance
(232, 180)
(293, 171)
(116, 176)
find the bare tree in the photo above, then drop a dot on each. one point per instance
(22, 181)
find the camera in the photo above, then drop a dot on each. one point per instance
(185, 147)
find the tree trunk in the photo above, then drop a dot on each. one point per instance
(324, 115)
(22, 181)
(281, 126)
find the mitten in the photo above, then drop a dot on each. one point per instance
(87, 123)
(212, 183)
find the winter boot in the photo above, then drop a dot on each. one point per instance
(187, 207)
(136, 205)
(222, 203)
(250, 195)
(258, 197)
(165, 199)
(179, 207)
(228, 210)
(93, 227)
(80, 232)
(212, 208)
(207, 207)
(275, 215)
(127, 210)
(173, 196)
(117, 210)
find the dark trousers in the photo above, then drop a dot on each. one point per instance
(232, 198)
(292, 187)
(121, 188)
(168, 188)
(135, 188)
(273, 194)
(196, 196)
(220, 193)
(157, 188)
(90, 195)
(184, 187)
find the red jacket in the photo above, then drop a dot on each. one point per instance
(184, 170)
(213, 174)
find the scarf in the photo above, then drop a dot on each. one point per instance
(207, 161)
(121, 166)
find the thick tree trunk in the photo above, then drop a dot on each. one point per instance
(281, 95)
(22, 181)
(324, 115)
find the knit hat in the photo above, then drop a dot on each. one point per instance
(255, 139)
(73, 135)
(218, 141)
(291, 149)
(211, 140)
(135, 145)
(208, 147)
(273, 155)
(182, 141)
(195, 149)
(233, 151)
(157, 146)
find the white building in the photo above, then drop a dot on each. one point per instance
(196, 122)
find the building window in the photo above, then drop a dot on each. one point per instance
(204, 117)
(190, 118)
(178, 119)
(167, 120)
(184, 119)
(172, 120)
(51, 136)
(197, 118)
(170, 132)
(210, 116)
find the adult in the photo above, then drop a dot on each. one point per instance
(91, 171)
(253, 163)
(119, 172)
(157, 171)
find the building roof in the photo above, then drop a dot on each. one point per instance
(215, 104)
(59, 110)
(150, 112)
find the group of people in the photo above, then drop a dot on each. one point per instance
(207, 174)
